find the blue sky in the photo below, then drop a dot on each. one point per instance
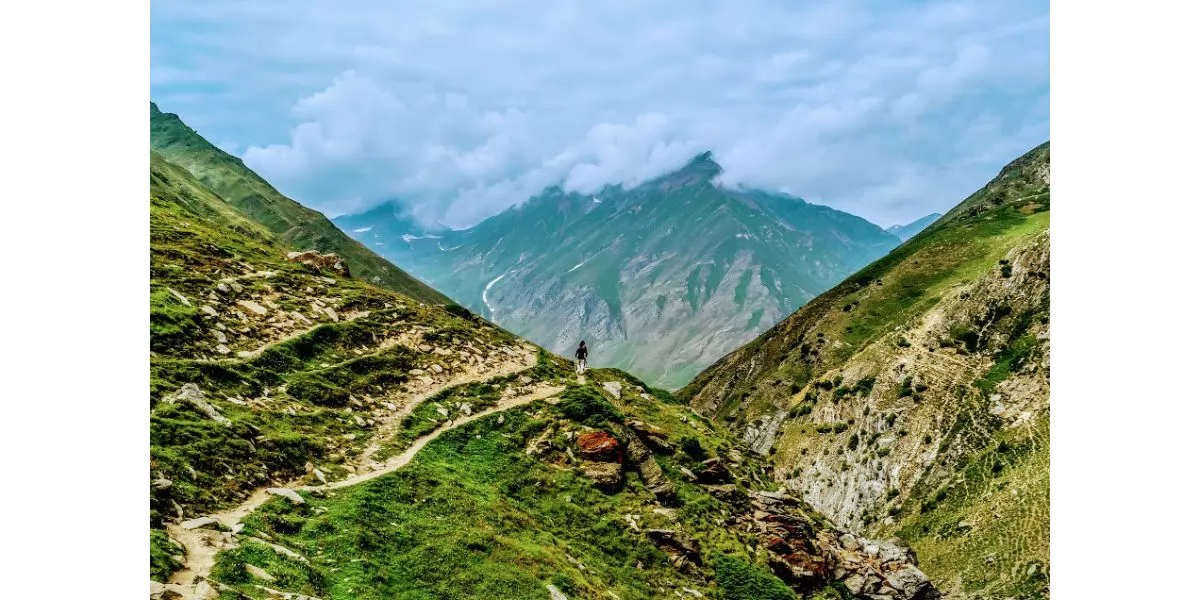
(461, 109)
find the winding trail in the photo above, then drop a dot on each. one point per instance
(202, 545)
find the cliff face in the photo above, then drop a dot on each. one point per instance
(913, 399)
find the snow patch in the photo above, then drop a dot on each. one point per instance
(491, 309)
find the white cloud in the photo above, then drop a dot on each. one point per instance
(461, 110)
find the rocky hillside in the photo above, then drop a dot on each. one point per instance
(315, 436)
(661, 280)
(229, 178)
(913, 398)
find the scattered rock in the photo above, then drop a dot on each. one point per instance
(359, 421)
(222, 349)
(332, 314)
(245, 354)
(555, 594)
(161, 483)
(221, 337)
(223, 288)
(208, 310)
(320, 475)
(425, 348)
(436, 369)
(442, 410)
(288, 493)
(237, 287)
(253, 307)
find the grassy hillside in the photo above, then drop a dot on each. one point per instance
(913, 398)
(319, 436)
(302, 228)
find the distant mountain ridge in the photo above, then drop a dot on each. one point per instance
(906, 231)
(300, 226)
(660, 279)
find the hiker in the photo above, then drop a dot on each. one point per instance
(581, 358)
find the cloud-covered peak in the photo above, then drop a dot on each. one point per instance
(890, 112)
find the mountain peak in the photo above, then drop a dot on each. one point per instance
(702, 164)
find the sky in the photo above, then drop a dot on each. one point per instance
(458, 110)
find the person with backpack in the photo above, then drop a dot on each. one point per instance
(581, 358)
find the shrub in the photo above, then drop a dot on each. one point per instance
(903, 343)
(853, 443)
(739, 579)
(584, 404)
(906, 388)
(800, 410)
(864, 385)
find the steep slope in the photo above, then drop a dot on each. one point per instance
(301, 227)
(907, 231)
(314, 436)
(661, 280)
(913, 398)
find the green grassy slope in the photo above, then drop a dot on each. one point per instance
(301, 227)
(912, 399)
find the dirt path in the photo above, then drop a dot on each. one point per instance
(202, 544)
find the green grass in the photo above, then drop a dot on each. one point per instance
(161, 551)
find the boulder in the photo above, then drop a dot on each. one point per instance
(613, 388)
(288, 493)
(713, 471)
(317, 261)
(599, 446)
(199, 522)
(191, 394)
(605, 475)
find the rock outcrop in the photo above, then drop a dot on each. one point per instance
(319, 261)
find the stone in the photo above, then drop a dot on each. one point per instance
(257, 572)
(223, 288)
(180, 297)
(442, 410)
(555, 594)
(191, 394)
(359, 421)
(614, 388)
(221, 337)
(253, 307)
(910, 582)
(332, 314)
(606, 475)
(161, 483)
(222, 349)
(245, 354)
(288, 493)
(714, 471)
(436, 369)
(208, 310)
(425, 348)
(237, 287)
(525, 380)
(320, 475)
(465, 409)
(599, 446)
(198, 523)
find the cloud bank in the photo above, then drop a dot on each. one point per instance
(459, 110)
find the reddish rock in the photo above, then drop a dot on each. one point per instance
(599, 446)
(779, 546)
